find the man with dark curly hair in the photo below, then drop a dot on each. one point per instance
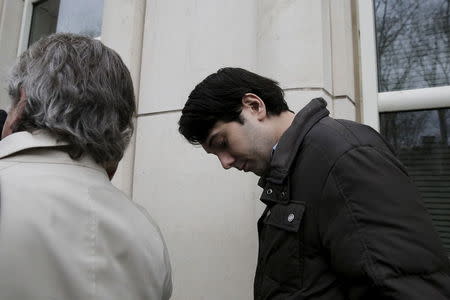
(343, 218)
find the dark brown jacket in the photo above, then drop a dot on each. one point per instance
(343, 219)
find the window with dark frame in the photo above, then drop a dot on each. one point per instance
(81, 17)
(413, 52)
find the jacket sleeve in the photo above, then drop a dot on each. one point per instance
(167, 288)
(377, 233)
(164, 282)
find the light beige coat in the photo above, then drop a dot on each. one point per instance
(67, 233)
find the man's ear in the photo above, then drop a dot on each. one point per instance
(111, 168)
(14, 115)
(254, 105)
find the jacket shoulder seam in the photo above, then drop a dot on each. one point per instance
(350, 131)
(355, 143)
(339, 157)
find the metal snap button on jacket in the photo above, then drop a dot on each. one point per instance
(291, 218)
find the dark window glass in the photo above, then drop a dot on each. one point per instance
(421, 139)
(413, 43)
(80, 17)
(43, 19)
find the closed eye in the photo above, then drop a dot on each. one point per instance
(222, 144)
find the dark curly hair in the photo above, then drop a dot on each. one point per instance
(219, 98)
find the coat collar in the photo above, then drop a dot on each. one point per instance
(40, 146)
(24, 140)
(291, 141)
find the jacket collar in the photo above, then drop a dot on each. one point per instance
(24, 140)
(40, 146)
(291, 141)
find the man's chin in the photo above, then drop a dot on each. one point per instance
(263, 171)
(259, 173)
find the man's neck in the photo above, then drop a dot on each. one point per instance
(282, 122)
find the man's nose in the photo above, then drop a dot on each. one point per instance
(226, 160)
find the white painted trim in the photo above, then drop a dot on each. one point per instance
(26, 26)
(368, 64)
(414, 99)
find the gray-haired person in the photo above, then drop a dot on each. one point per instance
(65, 231)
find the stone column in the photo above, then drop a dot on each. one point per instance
(343, 58)
(207, 215)
(10, 22)
(122, 30)
(307, 45)
(1, 10)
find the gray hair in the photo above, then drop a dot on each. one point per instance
(79, 90)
